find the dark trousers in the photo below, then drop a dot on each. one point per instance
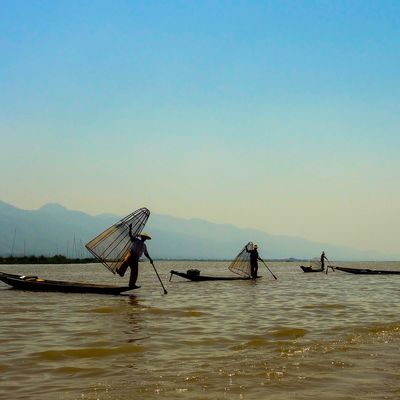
(254, 269)
(133, 262)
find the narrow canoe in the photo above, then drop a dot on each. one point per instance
(44, 285)
(200, 278)
(366, 271)
(310, 269)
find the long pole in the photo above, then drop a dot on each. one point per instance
(158, 276)
(268, 268)
(329, 266)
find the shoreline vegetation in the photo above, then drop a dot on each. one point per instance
(56, 259)
(60, 259)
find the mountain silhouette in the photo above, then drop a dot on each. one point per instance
(54, 229)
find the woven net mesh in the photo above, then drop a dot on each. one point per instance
(241, 264)
(112, 245)
(315, 263)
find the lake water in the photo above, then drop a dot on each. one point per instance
(303, 336)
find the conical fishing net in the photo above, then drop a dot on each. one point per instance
(241, 264)
(315, 263)
(111, 246)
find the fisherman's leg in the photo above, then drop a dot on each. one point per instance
(134, 272)
(124, 265)
(122, 269)
(253, 271)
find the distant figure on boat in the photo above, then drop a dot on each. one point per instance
(323, 258)
(138, 248)
(254, 257)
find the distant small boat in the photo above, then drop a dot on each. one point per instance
(367, 271)
(195, 276)
(43, 285)
(311, 269)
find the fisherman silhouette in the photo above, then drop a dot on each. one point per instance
(254, 257)
(322, 260)
(138, 248)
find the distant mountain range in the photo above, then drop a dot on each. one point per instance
(53, 229)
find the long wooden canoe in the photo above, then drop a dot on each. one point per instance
(200, 278)
(44, 285)
(367, 271)
(310, 269)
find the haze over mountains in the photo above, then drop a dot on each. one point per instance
(53, 229)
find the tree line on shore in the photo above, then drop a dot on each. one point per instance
(56, 259)
(61, 259)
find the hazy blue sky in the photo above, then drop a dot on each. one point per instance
(278, 115)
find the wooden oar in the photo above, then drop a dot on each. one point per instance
(329, 266)
(268, 268)
(158, 276)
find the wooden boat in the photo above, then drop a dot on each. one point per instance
(198, 278)
(310, 269)
(367, 271)
(44, 285)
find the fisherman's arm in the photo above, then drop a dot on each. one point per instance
(148, 256)
(130, 232)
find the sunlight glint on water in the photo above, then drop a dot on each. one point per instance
(303, 336)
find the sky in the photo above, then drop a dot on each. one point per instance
(278, 115)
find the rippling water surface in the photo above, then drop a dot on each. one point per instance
(303, 336)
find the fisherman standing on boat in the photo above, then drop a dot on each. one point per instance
(254, 257)
(322, 260)
(138, 248)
